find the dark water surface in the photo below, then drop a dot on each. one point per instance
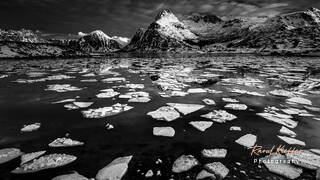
(27, 103)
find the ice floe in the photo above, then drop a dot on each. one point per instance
(247, 140)
(45, 162)
(30, 127)
(305, 159)
(251, 82)
(62, 88)
(209, 101)
(184, 163)
(71, 176)
(107, 93)
(287, 132)
(9, 154)
(114, 170)
(230, 100)
(240, 91)
(149, 173)
(65, 142)
(203, 174)
(219, 116)
(292, 141)
(114, 79)
(106, 111)
(235, 128)
(163, 131)
(31, 156)
(241, 107)
(109, 126)
(201, 125)
(281, 93)
(280, 119)
(196, 90)
(218, 169)
(186, 108)
(214, 153)
(282, 168)
(165, 113)
(300, 100)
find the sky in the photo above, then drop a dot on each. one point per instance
(124, 17)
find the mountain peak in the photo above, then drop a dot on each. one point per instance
(313, 9)
(99, 34)
(163, 13)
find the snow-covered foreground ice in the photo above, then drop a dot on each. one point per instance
(98, 111)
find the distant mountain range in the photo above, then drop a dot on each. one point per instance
(293, 33)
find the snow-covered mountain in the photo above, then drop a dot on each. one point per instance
(286, 32)
(98, 41)
(22, 35)
(26, 43)
(166, 33)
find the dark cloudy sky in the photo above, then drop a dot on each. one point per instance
(124, 17)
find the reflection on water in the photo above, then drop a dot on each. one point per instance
(41, 91)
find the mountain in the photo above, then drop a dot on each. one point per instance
(123, 41)
(22, 35)
(293, 32)
(298, 31)
(26, 43)
(98, 42)
(166, 33)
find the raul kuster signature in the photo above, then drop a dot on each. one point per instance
(280, 149)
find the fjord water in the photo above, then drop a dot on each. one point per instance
(27, 103)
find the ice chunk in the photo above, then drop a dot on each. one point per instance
(83, 104)
(140, 99)
(201, 125)
(236, 106)
(31, 156)
(247, 140)
(196, 90)
(235, 128)
(284, 169)
(186, 108)
(115, 170)
(106, 111)
(305, 159)
(184, 163)
(218, 169)
(107, 93)
(114, 79)
(219, 116)
(287, 131)
(9, 154)
(72, 176)
(65, 142)
(45, 162)
(292, 141)
(163, 131)
(205, 175)
(165, 113)
(62, 88)
(31, 127)
(230, 100)
(300, 100)
(214, 153)
(209, 101)
(281, 93)
(278, 118)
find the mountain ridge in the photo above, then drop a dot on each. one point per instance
(294, 33)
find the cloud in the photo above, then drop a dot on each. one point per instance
(124, 17)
